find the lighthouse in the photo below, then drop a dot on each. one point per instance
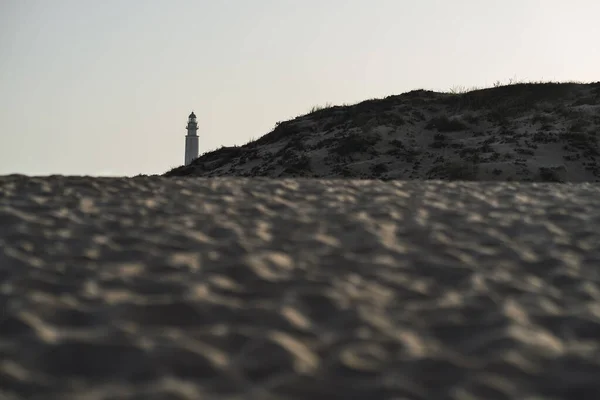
(191, 139)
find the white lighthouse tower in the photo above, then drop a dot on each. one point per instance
(191, 139)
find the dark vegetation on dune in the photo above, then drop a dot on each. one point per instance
(491, 131)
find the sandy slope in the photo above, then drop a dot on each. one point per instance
(525, 132)
(162, 288)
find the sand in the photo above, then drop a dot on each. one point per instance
(158, 288)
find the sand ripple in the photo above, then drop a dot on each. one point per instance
(157, 288)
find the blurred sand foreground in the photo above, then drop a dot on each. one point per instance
(158, 288)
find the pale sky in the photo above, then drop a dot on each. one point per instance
(91, 87)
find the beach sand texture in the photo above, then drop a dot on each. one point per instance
(232, 288)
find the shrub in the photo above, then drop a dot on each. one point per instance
(523, 151)
(298, 164)
(438, 144)
(355, 143)
(548, 174)
(542, 118)
(282, 130)
(580, 140)
(316, 108)
(454, 171)
(445, 124)
(379, 168)
(461, 171)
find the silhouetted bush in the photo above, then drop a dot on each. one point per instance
(548, 174)
(297, 165)
(445, 124)
(282, 130)
(512, 98)
(379, 168)
(454, 171)
(580, 140)
(461, 171)
(354, 143)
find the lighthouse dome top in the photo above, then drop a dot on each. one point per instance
(192, 115)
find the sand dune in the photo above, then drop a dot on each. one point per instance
(526, 132)
(164, 288)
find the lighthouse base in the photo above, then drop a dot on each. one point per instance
(191, 149)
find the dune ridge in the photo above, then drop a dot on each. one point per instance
(525, 132)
